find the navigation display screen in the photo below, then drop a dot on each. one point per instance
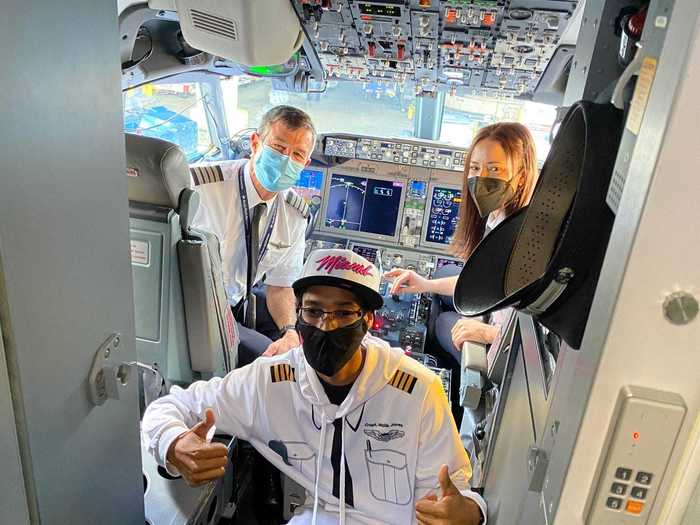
(443, 215)
(310, 184)
(363, 204)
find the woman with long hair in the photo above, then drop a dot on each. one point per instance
(500, 174)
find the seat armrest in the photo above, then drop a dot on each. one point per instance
(474, 357)
(474, 368)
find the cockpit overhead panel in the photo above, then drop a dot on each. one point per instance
(405, 152)
(465, 47)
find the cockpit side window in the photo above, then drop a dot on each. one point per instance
(176, 112)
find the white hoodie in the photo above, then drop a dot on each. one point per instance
(394, 430)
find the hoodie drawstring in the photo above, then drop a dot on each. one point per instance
(319, 458)
(342, 472)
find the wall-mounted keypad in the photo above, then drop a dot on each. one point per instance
(621, 487)
(636, 454)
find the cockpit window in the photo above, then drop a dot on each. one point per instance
(172, 112)
(464, 116)
(197, 115)
(364, 108)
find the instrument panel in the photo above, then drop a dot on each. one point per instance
(465, 47)
(402, 193)
(402, 320)
(394, 212)
(396, 203)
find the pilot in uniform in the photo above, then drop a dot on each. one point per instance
(251, 207)
(361, 426)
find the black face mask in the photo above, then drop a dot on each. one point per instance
(489, 193)
(328, 352)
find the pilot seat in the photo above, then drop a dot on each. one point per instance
(184, 328)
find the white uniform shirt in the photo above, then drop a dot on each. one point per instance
(499, 317)
(394, 430)
(220, 213)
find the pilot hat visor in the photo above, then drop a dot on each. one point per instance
(343, 269)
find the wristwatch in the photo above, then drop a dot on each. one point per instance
(286, 328)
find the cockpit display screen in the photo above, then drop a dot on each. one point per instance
(363, 204)
(310, 184)
(368, 252)
(443, 215)
(444, 263)
(380, 10)
(417, 189)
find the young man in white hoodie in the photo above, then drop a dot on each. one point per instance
(365, 429)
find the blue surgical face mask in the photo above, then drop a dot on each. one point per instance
(276, 172)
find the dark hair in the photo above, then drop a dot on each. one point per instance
(361, 301)
(293, 118)
(519, 147)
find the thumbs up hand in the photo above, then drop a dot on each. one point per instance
(449, 507)
(198, 460)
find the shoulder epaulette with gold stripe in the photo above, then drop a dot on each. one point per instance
(297, 202)
(403, 381)
(206, 174)
(283, 372)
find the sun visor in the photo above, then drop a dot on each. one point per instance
(253, 33)
(545, 259)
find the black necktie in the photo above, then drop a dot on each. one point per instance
(258, 211)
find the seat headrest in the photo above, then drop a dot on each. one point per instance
(157, 169)
(545, 259)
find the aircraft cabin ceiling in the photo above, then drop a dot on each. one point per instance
(512, 48)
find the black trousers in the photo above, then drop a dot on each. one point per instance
(254, 342)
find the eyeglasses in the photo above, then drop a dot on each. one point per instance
(314, 315)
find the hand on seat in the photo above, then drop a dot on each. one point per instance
(472, 331)
(194, 457)
(450, 508)
(283, 344)
(406, 281)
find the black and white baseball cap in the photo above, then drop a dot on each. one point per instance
(343, 269)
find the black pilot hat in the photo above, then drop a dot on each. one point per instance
(545, 258)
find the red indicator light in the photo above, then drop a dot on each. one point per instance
(401, 51)
(635, 436)
(371, 49)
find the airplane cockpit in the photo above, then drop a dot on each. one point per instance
(114, 291)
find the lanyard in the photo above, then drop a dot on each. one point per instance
(247, 227)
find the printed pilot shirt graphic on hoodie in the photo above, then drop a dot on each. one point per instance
(369, 459)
